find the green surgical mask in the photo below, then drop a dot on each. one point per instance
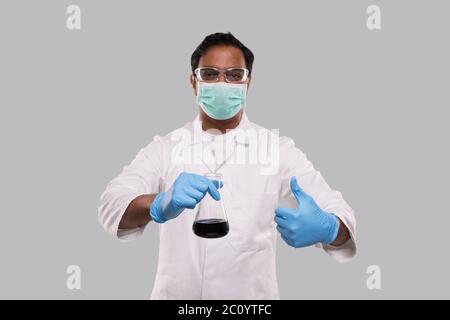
(221, 100)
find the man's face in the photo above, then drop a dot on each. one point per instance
(221, 57)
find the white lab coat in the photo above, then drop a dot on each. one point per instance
(240, 265)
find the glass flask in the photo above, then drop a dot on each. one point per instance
(211, 219)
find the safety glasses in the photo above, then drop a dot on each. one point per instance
(232, 75)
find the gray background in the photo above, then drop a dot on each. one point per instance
(369, 108)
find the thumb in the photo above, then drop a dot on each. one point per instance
(298, 192)
(213, 186)
(218, 183)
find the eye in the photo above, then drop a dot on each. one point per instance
(235, 75)
(209, 74)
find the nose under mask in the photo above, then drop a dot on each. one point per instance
(221, 100)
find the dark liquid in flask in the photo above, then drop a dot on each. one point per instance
(211, 228)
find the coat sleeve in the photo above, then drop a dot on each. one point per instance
(141, 176)
(329, 200)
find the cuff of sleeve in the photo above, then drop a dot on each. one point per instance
(342, 253)
(125, 235)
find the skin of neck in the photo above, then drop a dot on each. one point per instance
(221, 125)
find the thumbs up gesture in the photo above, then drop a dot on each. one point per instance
(307, 224)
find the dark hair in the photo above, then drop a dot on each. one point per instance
(217, 39)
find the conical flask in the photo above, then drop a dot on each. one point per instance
(211, 218)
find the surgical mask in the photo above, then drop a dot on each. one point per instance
(221, 100)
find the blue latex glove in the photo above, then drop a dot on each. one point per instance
(307, 224)
(187, 190)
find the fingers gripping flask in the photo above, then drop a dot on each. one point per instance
(211, 219)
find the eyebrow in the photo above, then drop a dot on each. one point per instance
(221, 68)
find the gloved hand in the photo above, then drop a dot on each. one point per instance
(187, 190)
(307, 224)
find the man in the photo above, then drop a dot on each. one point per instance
(158, 187)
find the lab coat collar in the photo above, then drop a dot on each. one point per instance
(200, 135)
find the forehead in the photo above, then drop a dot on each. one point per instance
(223, 57)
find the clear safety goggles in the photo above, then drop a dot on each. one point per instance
(231, 75)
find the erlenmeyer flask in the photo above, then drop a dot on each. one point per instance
(211, 218)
